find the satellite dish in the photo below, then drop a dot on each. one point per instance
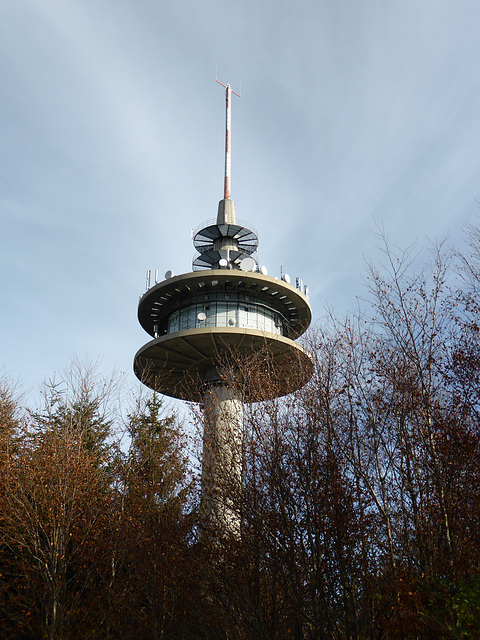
(231, 322)
(248, 264)
(202, 316)
(169, 274)
(263, 271)
(286, 278)
(223, 262)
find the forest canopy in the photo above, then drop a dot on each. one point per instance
(361, 492)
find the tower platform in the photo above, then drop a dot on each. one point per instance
(199, 318)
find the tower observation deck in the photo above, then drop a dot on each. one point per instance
(196, 320)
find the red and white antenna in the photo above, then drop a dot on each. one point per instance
(228, 119)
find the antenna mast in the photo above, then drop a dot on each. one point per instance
(228, 122)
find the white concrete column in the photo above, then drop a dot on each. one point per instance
(222, 465)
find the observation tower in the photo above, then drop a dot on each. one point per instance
(227, 305)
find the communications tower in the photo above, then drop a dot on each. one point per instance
(226, 305)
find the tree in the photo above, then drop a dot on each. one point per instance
(360, 502)
(55, 514)
(148, 594)
(356, 486)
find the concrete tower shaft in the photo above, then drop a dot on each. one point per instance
(226, 212)
(222, 461)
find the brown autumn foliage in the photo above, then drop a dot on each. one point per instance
(361, 496)
(360, 504)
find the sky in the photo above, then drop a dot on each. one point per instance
(353, 114)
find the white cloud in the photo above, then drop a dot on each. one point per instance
(112, 148)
